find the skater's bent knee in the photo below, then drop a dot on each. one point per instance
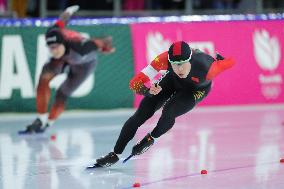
(61, 96)
(46, 76)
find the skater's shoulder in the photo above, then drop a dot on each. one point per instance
(160, 62)
(200, 57)
(162, 57)
(199, 53)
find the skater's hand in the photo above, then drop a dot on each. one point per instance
(105, 45)
(219, 57)
(155, 89)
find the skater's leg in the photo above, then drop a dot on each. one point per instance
(49, 71)
(57, 108)
(146, 109)
(181, 103)
(43, 92)
(77, 75)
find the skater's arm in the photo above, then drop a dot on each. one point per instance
(137, 84)
(65, 17)
(104, 44)
(59, 24)
(219, 66)
(85, 46)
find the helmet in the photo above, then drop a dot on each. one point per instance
(54, 36)
(179, 53)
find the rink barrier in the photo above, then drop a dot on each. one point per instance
(149, 19)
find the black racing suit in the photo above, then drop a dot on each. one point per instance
(177, 97)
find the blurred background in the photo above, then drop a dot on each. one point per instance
(250, 31)
(108, 8)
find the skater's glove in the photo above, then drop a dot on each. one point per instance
(155, 89)
(144, 91)
(219, 57)
(105, 45)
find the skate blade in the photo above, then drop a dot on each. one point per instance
(25, 132)
(128, 158)
(95, 166)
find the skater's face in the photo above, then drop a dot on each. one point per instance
(57, 50)
(182, 70)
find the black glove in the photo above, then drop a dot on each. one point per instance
(219, 57)
(145, 91)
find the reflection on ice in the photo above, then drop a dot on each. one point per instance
(246, 145)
